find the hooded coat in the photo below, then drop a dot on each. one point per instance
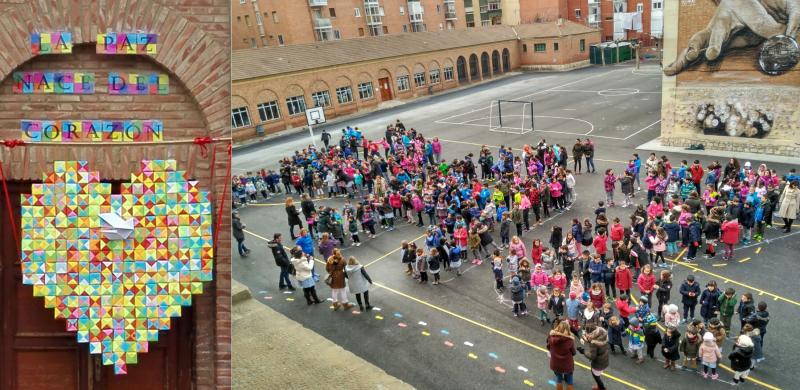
(358, 278)
(335, 268)
(671, 345)
(598, 349)
(741, 358)
(281, 259)
(562, 349)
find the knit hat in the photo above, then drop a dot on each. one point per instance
(515, 280)
(744, 341)
(643, 299)
(634, 322)
(708, 336)
(572, 294)
(690, 278)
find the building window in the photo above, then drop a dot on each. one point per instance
(524, 48)
(540, 47)
(555, 46)
(577, 13)
(264, 41)
(296, 105)
(337, 34)
(385, 30)
(582, 45)
(275, 17)
(656, 5)
(434, 75)
(365, 91)
(441, 26)
(253, 43)
(247, 20)
(419, 79)
(402, 10)
(332, 12)
(402, 83)
(405, 28)
(269, 111)
(438, 9)
(361, 31)
(358, 12)
(321, 98)
(280, 40)
(238, 18)
(344, 95)
(242, 1)
(240, 117)
(259, 21)
(639, 7)
(448, 73)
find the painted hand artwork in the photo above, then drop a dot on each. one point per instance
(745, 23)
(117, 267)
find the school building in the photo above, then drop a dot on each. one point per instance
(273, 86)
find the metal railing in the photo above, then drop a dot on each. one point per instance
(318, 3)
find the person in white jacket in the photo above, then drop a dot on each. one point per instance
(304, 267)
(570, 179)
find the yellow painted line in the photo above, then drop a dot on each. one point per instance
(719, 265)
(718, 276)
(424, 333)
(746, 258)
(390, 253)
(758, 250)
(497, 146)
(285, 247)
(473, 356)
(498, 332)
(528, 382)
(754, 380)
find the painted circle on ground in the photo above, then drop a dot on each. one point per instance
(618, 92)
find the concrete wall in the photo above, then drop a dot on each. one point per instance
(736, 76)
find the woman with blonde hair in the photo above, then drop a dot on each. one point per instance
(294, 217)
(561, 347)
(336, 274)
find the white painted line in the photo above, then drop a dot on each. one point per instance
(569, 109)
(523, 369)
(423, 323)
(643, 129)
(467, 343)
(543, 131)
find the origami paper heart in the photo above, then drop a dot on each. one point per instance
(116, 292)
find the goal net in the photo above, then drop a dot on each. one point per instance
(511, 116)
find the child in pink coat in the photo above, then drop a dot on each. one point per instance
(709, 354)
(558, 280)
(542, 298)
(539, 278)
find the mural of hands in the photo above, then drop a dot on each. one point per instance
(738, 24)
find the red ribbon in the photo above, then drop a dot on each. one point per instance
(202, 142)
(10, 211)
(12, 143)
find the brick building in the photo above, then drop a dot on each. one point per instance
(273, 86)
(261, 23)
(36, 351)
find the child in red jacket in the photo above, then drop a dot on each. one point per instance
(730, 236)
(623, 278)
(600, 244)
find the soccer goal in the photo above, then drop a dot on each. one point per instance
(511, 116)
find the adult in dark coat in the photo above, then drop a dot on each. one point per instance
(670, 344)
(561, 345)
(293, 217)
(597, 339)
(282, 261)
(238, 234)
(307, 206)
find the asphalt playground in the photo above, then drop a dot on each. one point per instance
(461, 334)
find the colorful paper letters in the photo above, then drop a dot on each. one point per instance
(138, 84)
(92, 131)
(51, 43)
(66, 83)
(126, 43)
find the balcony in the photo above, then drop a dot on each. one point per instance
(318, 3)
(415, 18)
(592, 2)
(322, 24)
(593, 18)
(371, 3)
(450, 16)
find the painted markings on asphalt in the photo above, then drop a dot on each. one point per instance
(392, 252)
(758, 250)
(523, 369)
(528, 382)
(378, 318)
(473, 356)
(356, 312)
(719, 265)
(448, 344)
(376, 308)
(746, 258)
(467, 343)
(267, 297)
(445, 331)
(493, 355)
(425, 333)
(329, 299)
(500, 370)
(398, 315)
(552, 382)
(286, 292)
(402, 324)
(290, 299)
(263, 292)
(422, 323)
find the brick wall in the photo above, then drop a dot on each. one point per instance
(250, 93)
(194, 50)
(568, 50)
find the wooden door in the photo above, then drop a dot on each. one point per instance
(36, 351)
(386, 89)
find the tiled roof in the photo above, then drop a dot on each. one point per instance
(250, 63)
(253, 63)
